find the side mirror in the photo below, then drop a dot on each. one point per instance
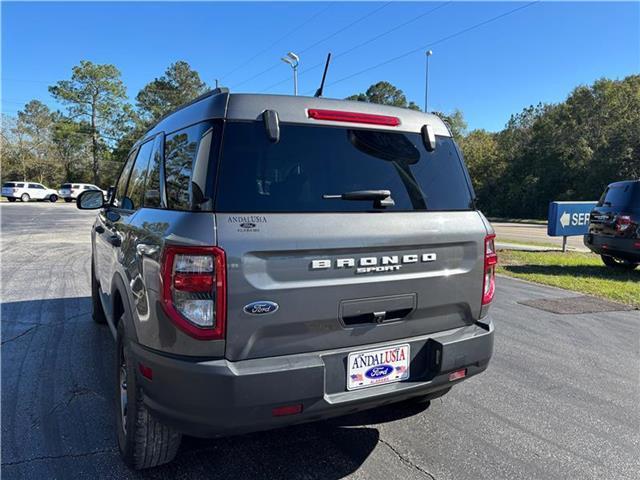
(428, 138)
(90, 200)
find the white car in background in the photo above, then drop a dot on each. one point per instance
(70, 191)
(27, 191)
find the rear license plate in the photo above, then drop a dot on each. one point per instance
(379, 366)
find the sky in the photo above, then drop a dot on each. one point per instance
(488, 69)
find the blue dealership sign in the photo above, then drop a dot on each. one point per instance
(569, 218)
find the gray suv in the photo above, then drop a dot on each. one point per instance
(270, 260)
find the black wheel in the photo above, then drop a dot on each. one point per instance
(25, 197)
(610, 261)
(97, 312)
(53, 198)
(143, 441)
(68, 200)
(11, 199)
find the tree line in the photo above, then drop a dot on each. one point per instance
(565, 151)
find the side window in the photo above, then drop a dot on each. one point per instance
(152, 187)
(133, 198)
(181, 149)
(121, 185)
(33, 185)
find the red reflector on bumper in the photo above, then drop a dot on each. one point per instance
(287, 410)
(146, 372)
(458, 374)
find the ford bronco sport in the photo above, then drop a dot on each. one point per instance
(268, 260)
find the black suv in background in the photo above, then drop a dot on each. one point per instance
(614, 226)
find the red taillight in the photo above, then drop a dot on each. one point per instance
(194, 292)
(193, 282)
(287, 410)
(353, 117)
(636, 245)
(623, 222)
(490, 261)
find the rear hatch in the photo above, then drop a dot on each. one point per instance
(329, 273)
(618, 211)
(8, 188)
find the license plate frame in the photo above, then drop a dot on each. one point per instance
(375, 367)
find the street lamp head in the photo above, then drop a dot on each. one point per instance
(429, 53)
(287, 60)
(293, 57)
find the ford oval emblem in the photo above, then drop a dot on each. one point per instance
(379, 371)
(260, 308)
(247, 225)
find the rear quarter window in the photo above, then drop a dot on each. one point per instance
(310, 161)
(181, 150)
(9, 184)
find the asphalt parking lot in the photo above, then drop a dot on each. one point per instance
(559, 400)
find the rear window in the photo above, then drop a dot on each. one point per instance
(65, 185)
(9, 184)
(308, 162)
(626, 195)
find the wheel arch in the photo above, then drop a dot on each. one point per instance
(120, 304)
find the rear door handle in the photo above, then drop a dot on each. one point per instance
(99, 229)
(143, 249)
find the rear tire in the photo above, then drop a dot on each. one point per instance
(68, 200)
(25, 197)
(143, 441)
(97, 312)
(53, 198)
(613, 262)
(11, 199)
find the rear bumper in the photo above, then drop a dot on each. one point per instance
(616, 247)
(217, 397)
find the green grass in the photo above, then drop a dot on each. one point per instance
(580, 272)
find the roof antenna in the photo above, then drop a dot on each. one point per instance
(324, 75)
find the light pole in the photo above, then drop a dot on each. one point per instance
(426, 84)
(293, 60)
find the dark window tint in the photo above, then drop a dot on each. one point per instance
(76, 186)
(133, 198)
(65, 185)
(309, 162)
(625, 195)
(20, 185)
(181, 149)
(121, 186)
(152, 186)
(9, 184)
(35, 185)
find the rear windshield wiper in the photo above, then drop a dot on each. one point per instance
(381, 198)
